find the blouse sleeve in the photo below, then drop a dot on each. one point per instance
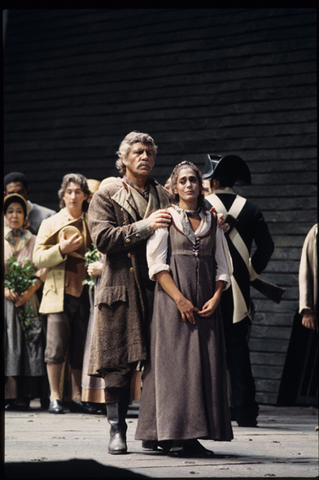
(223, 259)
(156, 252)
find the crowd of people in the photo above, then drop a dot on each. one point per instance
(170, 298)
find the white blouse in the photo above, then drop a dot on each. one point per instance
(157, 244)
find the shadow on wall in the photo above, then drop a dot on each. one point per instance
(69, 469)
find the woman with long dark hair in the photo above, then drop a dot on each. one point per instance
(184, 395)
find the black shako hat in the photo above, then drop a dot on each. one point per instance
(228, 166)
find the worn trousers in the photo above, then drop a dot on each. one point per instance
(118, 379)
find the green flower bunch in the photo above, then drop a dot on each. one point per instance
(18, 278)
(91, 256)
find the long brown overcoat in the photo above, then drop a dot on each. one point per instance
(119, 335)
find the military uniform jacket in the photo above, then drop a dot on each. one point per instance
(118, 232)
(251, 227)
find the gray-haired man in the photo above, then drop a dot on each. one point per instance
(122, 216)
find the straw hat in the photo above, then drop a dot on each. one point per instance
(69, 230)
(93, 185)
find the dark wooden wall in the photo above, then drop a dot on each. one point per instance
(200, 81)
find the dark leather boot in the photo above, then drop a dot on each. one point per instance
(116, 413)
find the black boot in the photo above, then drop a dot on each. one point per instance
(116, 413)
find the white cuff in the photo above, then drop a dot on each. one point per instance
(156, 269)
(225, 278)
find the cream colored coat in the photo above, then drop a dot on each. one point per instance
(49, 256)
(308, 273)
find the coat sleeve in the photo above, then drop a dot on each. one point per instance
(308, 272)
(264, 246)
(111, 228)
(43, 255)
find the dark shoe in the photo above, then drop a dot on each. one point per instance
(116, 413)
(155, 445)
(99, 407)
(247, 416)
(13, 406)
(81, 407)
(191, 448)
(195, 448)
(117, 444)
(177, 449)
(149, 445)
(177, 452)
(56, 407)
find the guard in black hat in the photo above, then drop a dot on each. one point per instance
(246, 225)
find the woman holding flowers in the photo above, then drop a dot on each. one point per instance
(24, 364)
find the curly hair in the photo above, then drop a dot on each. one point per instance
(15, 177)
(174, 197)
(74, 178)
(126, 145)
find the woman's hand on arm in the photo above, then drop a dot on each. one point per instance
(210, 306)
(185, 307)
(220, 220)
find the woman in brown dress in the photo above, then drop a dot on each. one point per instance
(184, 395)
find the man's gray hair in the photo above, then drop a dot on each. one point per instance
(126, 145)
(74, 178)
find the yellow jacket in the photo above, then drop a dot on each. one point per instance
(46, 254)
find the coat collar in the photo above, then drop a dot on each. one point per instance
(124, 198)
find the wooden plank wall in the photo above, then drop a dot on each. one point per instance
(199, 81)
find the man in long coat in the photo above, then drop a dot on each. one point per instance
(246, 226)
(122, 216)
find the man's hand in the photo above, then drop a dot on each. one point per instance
(70, 245)
(220, 220)
(309, 319)
(159, 219)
